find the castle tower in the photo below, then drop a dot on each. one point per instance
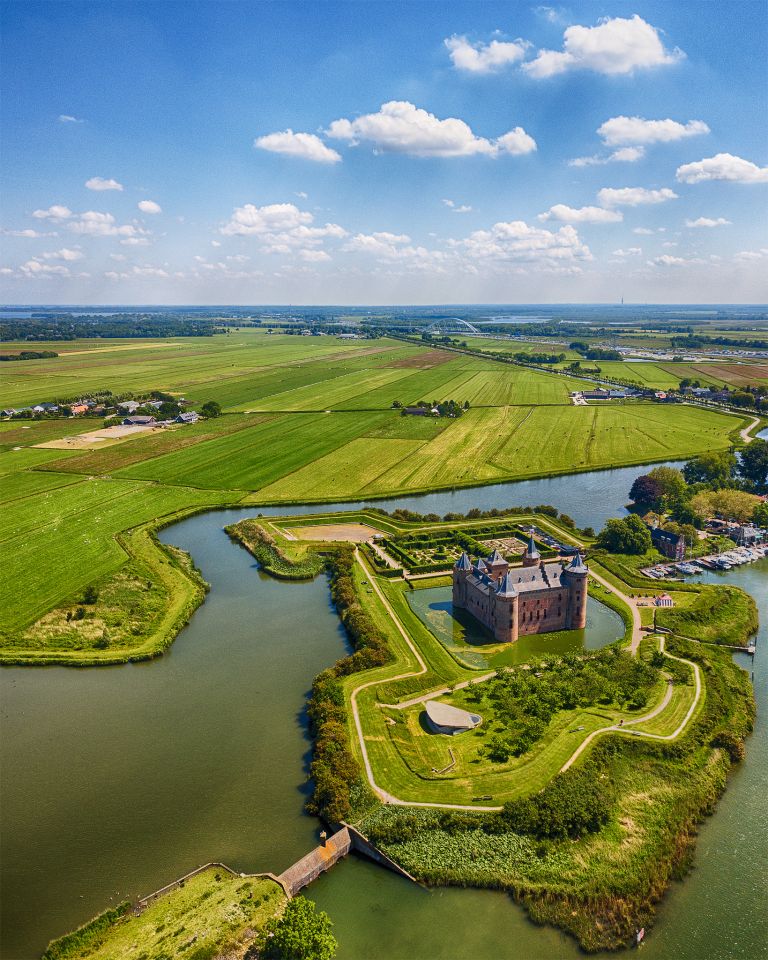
(505, 601)
(461, 570)
(497, 566)
(575, 576)
(531, 557)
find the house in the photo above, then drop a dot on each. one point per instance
(745, 535)
(139, 421)
(664, 600)
(78, 408)
(190, 417)
(672, 545)
(129, 406)
(9, 412)
(45, 408)
(418, 411)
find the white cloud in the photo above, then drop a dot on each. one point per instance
(282, 228)
(306, 146)
(707, 222)
(457, 207)
(619, 131)
(643, 231)
(118, 257)
(567, 214)
(68, 118)
(99, 183)
(615, 46)
(747, 256)
(96, 224)
(624, 155)
(629, 252)
(26, 234)
(215, 243)
(149, 206)
(64, 254)
(667, 260)
(401, 127)
(135, 242)
(382, 244)
(723, 166)
(517, 241)
(35, 269)
(484, 57)
(314, 256)
(633, 196)
(55, 212)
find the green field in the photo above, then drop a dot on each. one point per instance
(321, 427)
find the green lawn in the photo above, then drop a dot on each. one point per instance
(212, 913)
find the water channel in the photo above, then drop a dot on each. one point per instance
(118, 779)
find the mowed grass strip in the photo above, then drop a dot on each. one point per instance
(56, 542)
(349, 390)
(25, 483)
(255, 457)
(14, 460)
(143, 447)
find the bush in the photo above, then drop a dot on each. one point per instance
(301, 933)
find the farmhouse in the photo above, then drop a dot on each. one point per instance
(537, 598)
(139, 421)
(672, 545)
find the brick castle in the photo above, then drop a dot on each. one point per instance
(535, 598)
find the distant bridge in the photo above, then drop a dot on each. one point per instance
(444, 326)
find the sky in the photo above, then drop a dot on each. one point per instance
(242, 152)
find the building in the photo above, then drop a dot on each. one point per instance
(189, 417)
(139, 421)
(672, 545)
(512, 602)
(664, 600)
(443, 718)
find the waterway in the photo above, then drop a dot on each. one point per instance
(119, 779)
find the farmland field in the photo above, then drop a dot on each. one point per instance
(321, 427)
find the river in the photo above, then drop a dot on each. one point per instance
(118, 779)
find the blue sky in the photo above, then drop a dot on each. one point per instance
(380, 152)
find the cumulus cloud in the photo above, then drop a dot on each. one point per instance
(629, 252)
(64, 254)
(401, 127)
(457, 207)
(667, 260)
(566, 214)
(707, 222)
(633, 196)
(149, 206)
(35, 269)
(723, 166)
(281, 228)
(93, 223)
(68, 118)
(55, 212)
(99, 183)
(517, 241)
(27, 234)
(306, 146)
(615, 46)
(619, 131)
(484, 57)
(623, 155)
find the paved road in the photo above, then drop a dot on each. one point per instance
(745, 433)
(637, 626)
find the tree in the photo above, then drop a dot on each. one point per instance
(210, 409)
(729, 504)
(628, 535)
(90, 594)
(647, 490)
(760, 515)
(717, 469)
(754, 465)
(301, 933)
(671, 482)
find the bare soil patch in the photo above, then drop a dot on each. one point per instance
(424, 360)
(95, 439)
(347, 532)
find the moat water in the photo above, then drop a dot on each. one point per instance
(118, 779)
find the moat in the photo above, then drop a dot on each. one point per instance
(125, 777)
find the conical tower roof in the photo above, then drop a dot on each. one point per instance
(481, 565)
(495, 558)
(464, 563)
(506, 586)
(532, 550)
(577, 565)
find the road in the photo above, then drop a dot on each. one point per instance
(637, 627)
(745, 433)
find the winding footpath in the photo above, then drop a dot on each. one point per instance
(637, 635)
(745, 434)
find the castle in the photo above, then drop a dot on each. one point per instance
(537, 598)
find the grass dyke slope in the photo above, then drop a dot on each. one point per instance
(214, 913)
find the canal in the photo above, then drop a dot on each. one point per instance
(119, 779)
